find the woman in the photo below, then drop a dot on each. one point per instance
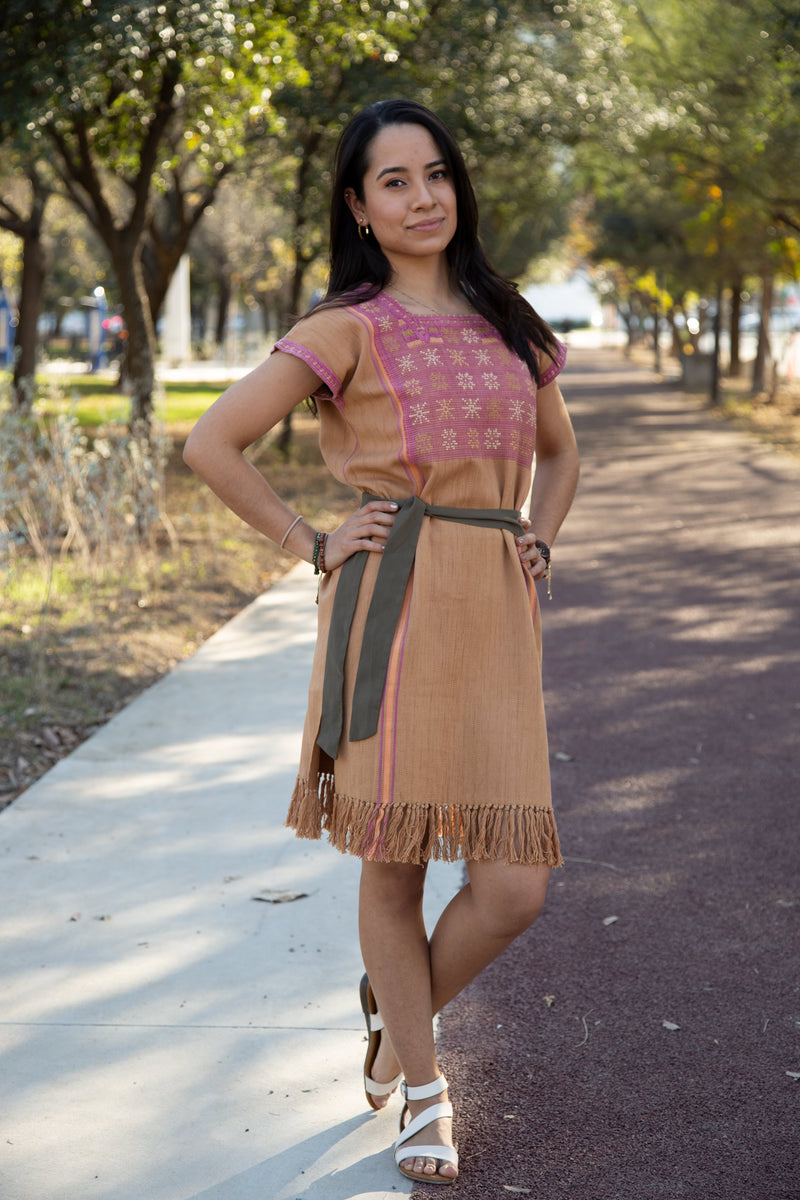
(425, 733)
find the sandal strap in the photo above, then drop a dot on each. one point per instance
(425, 1090)
(374, 1022)
(442, 1153)
(381, 1089)
(426, 1117)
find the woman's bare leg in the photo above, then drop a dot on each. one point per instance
(413, 979)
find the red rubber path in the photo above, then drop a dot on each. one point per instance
(638, 1042)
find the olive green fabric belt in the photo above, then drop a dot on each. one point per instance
(397, 560)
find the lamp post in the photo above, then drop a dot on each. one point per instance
(97, 330)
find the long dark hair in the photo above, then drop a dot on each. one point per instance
(360, 269)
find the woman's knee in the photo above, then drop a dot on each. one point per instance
(400, 885)
(508, 896)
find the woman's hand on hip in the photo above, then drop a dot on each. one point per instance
(367, 529)
(529, 554)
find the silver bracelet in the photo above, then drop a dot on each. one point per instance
(289, 530)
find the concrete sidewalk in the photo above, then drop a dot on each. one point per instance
(164, 1034)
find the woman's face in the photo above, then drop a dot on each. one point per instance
(409, 197)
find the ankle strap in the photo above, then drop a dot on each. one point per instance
(425, 1090)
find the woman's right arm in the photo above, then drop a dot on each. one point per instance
(245, 412)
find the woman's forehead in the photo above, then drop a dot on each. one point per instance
(398, 146)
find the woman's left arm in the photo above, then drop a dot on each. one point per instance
(556, 475)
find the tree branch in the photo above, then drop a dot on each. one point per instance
(150, 143)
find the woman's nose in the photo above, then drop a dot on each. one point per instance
(421, 196)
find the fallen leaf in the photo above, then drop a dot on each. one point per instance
(609, 920)
(549, 1001)
(272, 896)
(50, 738)
(793, 1074)
(562, 756)
(670, 1025)
(508, 1187)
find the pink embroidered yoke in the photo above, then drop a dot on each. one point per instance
(436, 407)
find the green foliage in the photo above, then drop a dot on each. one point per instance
(699, 179)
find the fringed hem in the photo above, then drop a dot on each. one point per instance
(416, 833)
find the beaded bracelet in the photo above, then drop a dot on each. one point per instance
(318, 557)
(544, 551)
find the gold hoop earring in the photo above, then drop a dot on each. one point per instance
(363, 232)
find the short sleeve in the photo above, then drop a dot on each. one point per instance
(555, 366)
(329, 342)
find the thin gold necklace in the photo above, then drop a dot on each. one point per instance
(416, 300)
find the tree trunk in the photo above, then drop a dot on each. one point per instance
(714, 395)
(34, 270)
(735, 368)
(763, 352)
(26, 342)
(223, 302)
(656, 340)
(283, 441)
(141, 344)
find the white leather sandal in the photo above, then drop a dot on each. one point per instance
(369, 1007)
(402, 1152)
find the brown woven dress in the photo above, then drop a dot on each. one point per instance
(435, 407)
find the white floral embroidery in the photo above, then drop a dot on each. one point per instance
(419, 412)
(469, 335)
(492, 439)
(449, 439)
(407, 362)
(483, 358)
(465, 380)
(472, 408)
(490, 381)
(431, 356)
(385, 322)
(516, 407)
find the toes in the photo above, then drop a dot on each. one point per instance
(427, 1166)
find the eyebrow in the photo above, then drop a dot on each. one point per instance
(404, 170)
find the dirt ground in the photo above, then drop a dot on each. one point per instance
(68, 669)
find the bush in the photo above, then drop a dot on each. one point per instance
(62, 492)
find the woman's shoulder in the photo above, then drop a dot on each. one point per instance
(331, 328)
(331, 341)
(551, 363)
(323, 317)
